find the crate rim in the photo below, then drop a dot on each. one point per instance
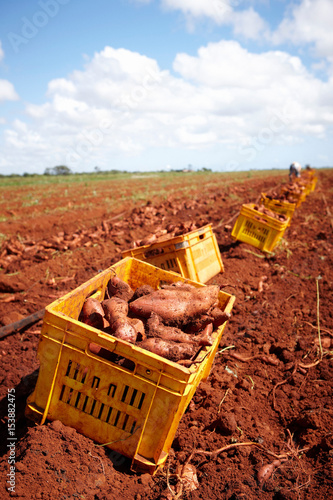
(168, 241)
(127, 346)
(248, 209)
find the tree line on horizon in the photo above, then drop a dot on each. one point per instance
(60, 170)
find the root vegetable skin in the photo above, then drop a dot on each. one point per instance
(141, 291)
(139, 328)
(168, 349)
(125, 331)
(205, 337)
(92, 313)
(219, 316)
(264, 210)
(198, 324)
(116, 311)
(216, 316)
(178, 285)
(267, 470)
(116, 287)
(176, 307)
(187, 318)
(156, 328)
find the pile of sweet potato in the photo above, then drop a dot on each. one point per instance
(291, 191)
(174, 321)
(166, 233)
(264, 210)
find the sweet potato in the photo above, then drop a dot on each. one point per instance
(176, 306)
(139, 328)
(141, 291)
(219, 317)
(178, 285)
(264, 210)
(156, 328)
(205, 337)
(148, 240)
(198, 324)
(92, 313)
(116, 287)
(168, 349)
(215, 316)
(116, 310)
(125, 331)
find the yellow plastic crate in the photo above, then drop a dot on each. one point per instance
(257, 229)
(280, 207)
(310, 179)
(306, 184)
(314, 183)
(126, 398)
(296, 198)
(194, 255)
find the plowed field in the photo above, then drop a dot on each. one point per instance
(261, 426)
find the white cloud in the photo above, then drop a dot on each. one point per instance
(309, 22)
(216, 10)
(228, 65)
(123, 105)
(7, 91)
(246, 23)
(305, 22)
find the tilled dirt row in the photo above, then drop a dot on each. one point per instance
(259, 427)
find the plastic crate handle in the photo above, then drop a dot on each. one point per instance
(182, 244)
(99, 352)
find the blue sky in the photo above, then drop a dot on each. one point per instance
(163, 84)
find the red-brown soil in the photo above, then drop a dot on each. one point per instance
(270, 385)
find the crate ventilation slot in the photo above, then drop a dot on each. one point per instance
(76, 372)
(91, 406)
(97, 409)
(133, 397)
(170, 264)
(252, 231)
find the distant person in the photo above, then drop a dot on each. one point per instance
(294, 170)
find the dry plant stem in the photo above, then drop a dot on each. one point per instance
(222, 400)
(180, 491)
(322, 329)
(263, 357)
(237, 445)
(98, 458)
(174, 495)
(225, 223)
(239, 357)
(295, 452)
(281, 383)
(22, 323)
